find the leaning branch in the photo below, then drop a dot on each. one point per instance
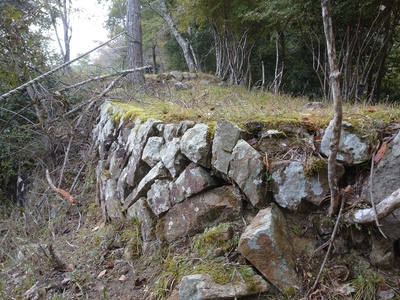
(21, 87)
(383, 209)
(124, 72)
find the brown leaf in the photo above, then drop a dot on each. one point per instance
(109, 266)
(381, 152)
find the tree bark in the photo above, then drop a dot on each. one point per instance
(337, 102)
(134, 41)
(183, 42)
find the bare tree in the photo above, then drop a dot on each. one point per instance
(61, 9)
(134, 40)
(337, 102)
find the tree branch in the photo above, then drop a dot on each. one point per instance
(383, 209)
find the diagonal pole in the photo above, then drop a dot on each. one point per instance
(21, 87)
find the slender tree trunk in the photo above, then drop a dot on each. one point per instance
(337, 102)
(63, 12)
(183, 42)
(134, 40)
(153, 54)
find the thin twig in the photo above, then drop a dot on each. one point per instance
(65, 160)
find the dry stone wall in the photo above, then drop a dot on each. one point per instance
(180, 179)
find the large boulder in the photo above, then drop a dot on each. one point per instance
(248, 171)
(353, 149)
(267, 245)
(196, 145)
(386, 180)
(202, 287)
(198, 212)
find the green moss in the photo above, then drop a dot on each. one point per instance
(211, 130)
(207, 257)
(221, 238)
(127, 111)
(314, 165)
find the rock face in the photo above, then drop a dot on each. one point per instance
(352, 148)
(267, 245)
(386, 180)
(181, 179)
(198, 212)
(193, 180)
(290, 184)
(202, 287)
(196, 146)
(226, 136)
(247, 170)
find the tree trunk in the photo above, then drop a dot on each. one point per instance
(183, 42)
(134, 40)
(337, 102)
(62, 12)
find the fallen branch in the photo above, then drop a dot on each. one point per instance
(65, 194)
(383, 209)
(123, 72)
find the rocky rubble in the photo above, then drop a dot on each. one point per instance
(180, 179)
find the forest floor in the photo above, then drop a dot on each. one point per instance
(51, 249)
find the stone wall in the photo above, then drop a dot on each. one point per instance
(183, 178)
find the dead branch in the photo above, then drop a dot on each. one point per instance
(21, 87)
(123, 72)
(63, 193)
(383, 209)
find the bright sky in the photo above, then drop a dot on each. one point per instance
(87, 27)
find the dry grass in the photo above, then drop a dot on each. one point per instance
(206, 101)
